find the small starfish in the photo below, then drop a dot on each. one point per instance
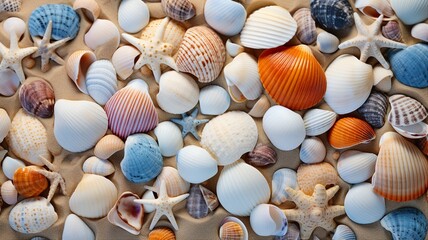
(46, 49)
(189, 123)
(154, 51)
(369, 40)
(313, 211)
(54, 178)
(163, 205)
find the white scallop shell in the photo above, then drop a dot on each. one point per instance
(241, 187)
(75, 228)
(148, 208)
(77, 66)
(410, 11)
(344, 232)
(9, 193)
(368, 7)
(268, 27)
(260, 107)
(233, 49)
(327, 42)
(225, 16)
(98, 166)
(106, 29)
(420, 31)
(195, 164)
(268, 220)
(169, 138)
(283, 177)
(14, 25)
(312, 150)
(382, 78)
(90, 8)
(318, 121)
(284, 128)
(10, 82)
(213, 100)
(175, 184)
(101, 81)
(415, 131)
(5, 124)
(133, 15)
(355, 166)
(10, 165)
(124, 60)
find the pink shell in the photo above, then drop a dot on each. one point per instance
(392, 31)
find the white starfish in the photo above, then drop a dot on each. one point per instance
(369, 40)
(154, 51)
(163, 205)
(46, 49)
(54, 178)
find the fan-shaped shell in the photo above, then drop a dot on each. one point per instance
(98, 166)
(10, 82)
(5, 124)
(180, 10)
(77, 67)
(105, 28)
(175, 184)
(133, 15)
(90, 8)
(213, 100)
(312, 150)
(355, 166)
(309, 175)
(375, 8)
(37, 97)
(344, 232)
(318, 121)
(8, 193)
(261, 156)
(282, 178)
(324, 10)
(306, 29)
(10, 5)
(268, 220)
(406, 222)
(10, 165)
(108, 145)
(225, 16)
(162, 233)
(327, 42)
(14, 25)
(420, 31)
(124, 60)
(232, 228)
(28, 182)
(406, 111)
(169, 138)
(292, 76)
(195, 164)
(75, 228)
(350, 131)
(101, 81)
(392, 31)
(374, 109)
(127, 214)
(410, 11)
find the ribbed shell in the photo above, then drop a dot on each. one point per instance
(133, 15)
(196, 205)
(355, 166)
(332, 14)
(124, 60)
(162, 233)
(410, 11)
(350, 131)
(306, 29)
(37, 98)
(405, 111)
(169, 138)
(28, 182)
(423, 145)
(201, 53)
(344, 232)
(283, 177)
(98, 166)
(309, 175)
(226, 17)
(195, 164)
(374, 109)
(292, 76)
(108, 145)
(406, 223)
(5, 124)
(101, 81)
(77, 66)
(10, 5)
(392, 31)
(180, 10)
(318, 121)
(175, 184)
(231, 230)
(261, 156)
(312, 150)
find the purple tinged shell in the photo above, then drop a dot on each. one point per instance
(37, 98)
(180, 10)
(332, 14)
(210, 198)
(261, 156)
(374, 109)
(196, 205)
(392, 31)
(306, 29)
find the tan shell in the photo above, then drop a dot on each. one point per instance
(260, 107)
(175, 185)
(90, 8)
(309, 175)
(77, 66)
(108, 145)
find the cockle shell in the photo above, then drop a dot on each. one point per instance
(306, 29)
(98, 166)
(37, 98)
(309, 175)
(233, 49)
(392, 31)
(127, 214)
(213, 100)
(230, 135)
(268, 27)
(344, 232)
(22, 217)
(9, 193)
(207, 59)
(196, 205)
(327, 42)
(232, 228)
(225, 16)
(195, 164)
(14, 25)
(406, 111)
(77, 66)
(382, 78)
(180, 10)
(400, 165)
(375, 8)
(79, 124)
(75, 228)
(133, 15)
(10, 165)
(9, 82)
(261, 156)
(332, 14)
(101, 81)
(350, 131)
(90, 8)
(28, 182)
(162, 233)
(175, 184)
(10, 5)
(5, 124)
(355, 166)
(406, 223)
(169, 138)
(260, 107)
(292, 76)
(110, 33)
(108, 145)
(374, 109)
(312, 150)
(93, 197)
(410, 11)
(282, 178)
(420, 31)
(268, 220)
(318, 121)
(124, 60)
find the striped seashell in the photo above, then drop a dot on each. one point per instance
(76, 228)
(283, 177)
(10, 82)
(318, 121)
(90, 8)
(133, 15)
(213, 100)
(10, 5)
(344, 232)
(175, 184)
(108, 145)
(306, 29)
(110, 39)
(374, 109)
(37, 98)
(5, 124)
(423, 145)
(420, 31)
(77, 67)
(375, 8)
(260, 107)
(261, 156)
(309, 175)
(355, 166)
(405, 111)
(410, 11)
(180, 10)
(101, 81)
(8, 193)
(196, 205)
(232, 228)
(327, 42)
(292, 76)
(312, 150)
(350, 131)
(225, 16)
(98, 166)
(124, 60)
(28, 182)
(206, 61)
(127, 214)
(210, 198)
(133, 98)
(161, 233)
(400, 165)
(406, 223)
(332, 14)
(392, 31)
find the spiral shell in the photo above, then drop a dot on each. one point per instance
(37, 98)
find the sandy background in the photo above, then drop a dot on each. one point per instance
(206, 228)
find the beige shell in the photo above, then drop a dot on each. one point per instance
(108, 43)
(124, 60)
(175, 185)
(77, 66)
(98, 166)
(9, 193)
(310, 175)
(108, 145)
(260, 107)
(90, 8)
(4, 124)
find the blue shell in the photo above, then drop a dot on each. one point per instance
(65, 21)
(332, 14)
(406, 223)
(142, 160)
(410, 65)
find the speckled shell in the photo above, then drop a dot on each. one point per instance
(261, 156)
(420, 31)
(180, 10)
(392, 31)
(196, 205)
(355, 166)
(175, 184)
(406, 223)
(90, 8)
(309, 175)
(327, 42)
(77, 66)
(10, 5)
(344, 232)
(374, 109)
(133, 15)
(76, 228)
(124, 60)
(195, 164)
(405, 111)
(98, 166)
(8, 193)
(107, 146)
(101, 81)
(318, 121)
(213, 100)
(306, 29)
(410, 11)
(10, 82)
(5, 124)
(127, 214)
(332, 14)
(169, 138)
(162, 233)
(283, 177)
(37, 98)
(225, 16)
(312, 150)
(65, 21)
(207, 59)
(28, 182)
(350, 131)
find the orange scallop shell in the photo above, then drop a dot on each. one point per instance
(350, 131)
(28, 182)
(309, 175)
(292, 76)
(162, 233)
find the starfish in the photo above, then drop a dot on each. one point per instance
(313, 211)
(54, 178)
(369, 40)
(163, 205)
(189, 123)
(154, 51)
(46, 49)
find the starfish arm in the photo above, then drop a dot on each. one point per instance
(177, 121)
(23, 52)
(36, 54)
(56, 58)
(55, 179)
(195, 134)
(19, 72)
(362, 29)
(45, 63)
(140, 63)
(171, 218)
(58, 44)
(167, 60)
(357, 41)
(152, 202)
(194, 113)
(374, 28)
(299, 198)
(161, 29)
(292, 215)
(155, 219)
(151, 188)
(334, 211)
(48, 164)
(306, 230)
(378, 55)
(332, 191)
(178, 199)
(382, 41)
(156, 71)
(3, 49)
(365, 52)
(328, 225)
(132, 40)
(47, 36)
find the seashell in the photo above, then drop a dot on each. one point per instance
(261, 156)
(423, 145)
(406, 222)
(37, 98)
(77, 67)
(14, 25)
(241, 187)
(344, 232)
(9, 193)
(400, 165)
(285, 137)
(93, 197)
(309, 175)
(411, 11)
(65, 21)
(196, 205)
(405, 111)
(9, 83)
(282, 178)
(415, 131)
(407, 71)
(178, 92)
(127, 214)
(162, 233)
(375, 8)
(260, 107)
(10, 5)
(355, 166)
(293, 233)
(348, 87)
(318, 121)
(133, 98)
(133, 15)
(327, 42)
(306, 29)
(213, 100)
(374, 109)
(363, 205)
(268, 220)
(76, 133)
(210, 198)
(392, 31)
(39, 238)
(180, 10)
(323, 10)
(98, 166)
(28, 143)
(75, 228)
(105, 28)
(233, 49)
(169, 138)
(225, 16)
(232, 228)
(5, 124)
(28, 182)
(147, 207)
(382, 78)
(10, 165)
(312, 150)
(195, 164)
(349, 131)
(124, 60)
(206, 61)
(175, 184)
(22, 217)
(292, 76)
(108, 145)
(242, 78)
(90, 8)
(420, 31)
(228, 136)
(142, 160)
(268, 27)
(101, 81)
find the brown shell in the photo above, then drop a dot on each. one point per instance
(28, 182)
(406, 111)
(108, 145)
(180, 10)
(350, 131)
(162, 233)
(37, 98)
(261, 156)
(423, 145)
(309, 175)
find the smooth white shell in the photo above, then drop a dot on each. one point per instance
(283, 177)
(233, 49)
(355, 166)
(225, 16)
(75, 228)
(268, 220)
(410, 11)
(420, 31)
(106, 29)
(124, 60)
(169, 138)
(327, 42)
(5, 124)
(98, 166)
(382, 78)
(312, 150)
(101, 81)
(213, 100)
(195, 164)
(133, 15)
(9, 193)
(14, 25)
(10, 165)
(318, 121)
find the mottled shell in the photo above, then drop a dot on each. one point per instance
(309, 175)
(226, 17)
(108, 145)
(37, 97)
(77, 66)
(283, 177)
(312, 150)
(306, 29)
(5, 124)
(8, 193)
(196, 205)
(232, 228)
(344, 232)
(355, 166)
(392, 31)
(318, 121)
(28, 182)
(101, 81)
(127, 214)
(350, 131)
(124, 60)
(175, 184)
(405, 111)
(162, 233)
(10, 5)
(90, 8)
(406, 223)
(261, 156)
(374, 109)
(98, 166)
(324, 10)
(180, 10)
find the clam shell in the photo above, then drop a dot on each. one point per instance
(225, 16)
(210, 198)
(10, 82)
(327, 42)
(312, 150)
(14, 25)
(282, 178)
(423, 145)
(415, 131)
(355, 166)
(10, 165)
(180, 10)
(28, 182)
(344, 232)
(110, 33)
(318, 121)
(9, 193)
(292, 76)
(261, 156)
(374, 109)
(90, 8)
(101, 81)
(133, 15)
(127, 214)
(10, 5)
(260, 107)
(410, 11)
(232, 228)
(268, 27)
(162, 233)
(392, 31)
(108, 145)
(169, 138)
(349, 131)
(37, 98)
(309, 175)
(77, 67)
(405, 111)
(124, 60)
(406, 222)
(5, 124)
(213, 100)
(175, 184)
(306, 29)
(420, 31)
(375, 8)
(285, 137)
(195, 164)
(382, 78)
(323, 10)
(228, 136)
(233, 49)
(196, 205)
(268, 220)
(98, 166)
(75, 228)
